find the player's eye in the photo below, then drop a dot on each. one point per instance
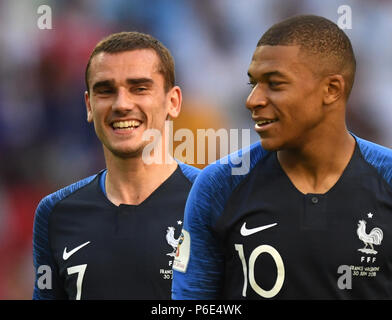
(104, 90)
(275, 84)
(139, 89)
(271, 84)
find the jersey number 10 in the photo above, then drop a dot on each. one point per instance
(252, 259)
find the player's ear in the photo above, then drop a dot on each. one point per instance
(333, 88)
(174, 97)
(88, 107)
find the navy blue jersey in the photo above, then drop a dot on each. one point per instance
(256, 236)
(94, 249)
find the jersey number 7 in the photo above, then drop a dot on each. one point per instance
(80, 270)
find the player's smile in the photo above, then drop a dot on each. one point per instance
(126, 127)
(263, 124)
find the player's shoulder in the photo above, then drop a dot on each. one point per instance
(217, 182)
(189, 171)
(377, 156)
(47, 204)
(229, 171)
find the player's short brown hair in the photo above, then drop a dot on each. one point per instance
(320, 37)
(128, 41)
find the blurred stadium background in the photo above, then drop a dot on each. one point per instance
(45, 141)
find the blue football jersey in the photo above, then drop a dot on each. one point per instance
(85, 247)
(255, 236)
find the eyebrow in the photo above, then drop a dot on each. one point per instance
(269, 74)
(134, 81)
(104, 83)
(130, 81)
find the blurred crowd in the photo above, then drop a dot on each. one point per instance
(45, 140)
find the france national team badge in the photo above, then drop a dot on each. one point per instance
(374, 237)
(181, 258)
(173, 242)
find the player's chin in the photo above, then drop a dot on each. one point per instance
(127, 151)
(270, 143)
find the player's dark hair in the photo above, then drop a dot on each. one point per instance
(128, 41)
(317, 36)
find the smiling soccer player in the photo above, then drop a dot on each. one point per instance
(316, 200)
(112, 235)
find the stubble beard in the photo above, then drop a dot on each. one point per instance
(124, 153)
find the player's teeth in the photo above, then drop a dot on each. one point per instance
(260, 123)
(126, 124)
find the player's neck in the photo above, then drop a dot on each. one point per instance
(131, 181)
(318, 165)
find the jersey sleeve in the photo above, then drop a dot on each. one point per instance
(198, 265)
(379, 157)
(47, 282)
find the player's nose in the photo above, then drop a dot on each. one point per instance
(123, 101)
(257, 98)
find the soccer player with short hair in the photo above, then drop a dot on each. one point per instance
(114, 235)
(312, 217)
